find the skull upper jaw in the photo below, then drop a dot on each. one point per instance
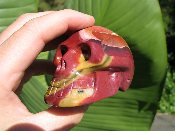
(78, 86)
(75, 91)
(91, 82)
(87, 89)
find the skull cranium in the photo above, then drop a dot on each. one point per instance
(94, 63)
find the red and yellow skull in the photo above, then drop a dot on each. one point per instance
(94, 63)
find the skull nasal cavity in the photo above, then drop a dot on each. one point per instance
(86, 51)
(64, 49)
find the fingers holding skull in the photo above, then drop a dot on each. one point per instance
(20, 45)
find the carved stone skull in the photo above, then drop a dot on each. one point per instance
(94, 63)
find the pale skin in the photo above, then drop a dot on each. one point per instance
(20, 44)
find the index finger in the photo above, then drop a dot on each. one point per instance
(18, 52)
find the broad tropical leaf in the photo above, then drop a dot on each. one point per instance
(32, 94)
(11, 9)
(140, 23)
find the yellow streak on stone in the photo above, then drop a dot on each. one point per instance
(86, 64)
(74, 98)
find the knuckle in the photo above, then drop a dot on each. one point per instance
(25, 16)
(68, 11)
(31, 25)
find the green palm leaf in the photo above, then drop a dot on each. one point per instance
(140, 23)
(11, 9)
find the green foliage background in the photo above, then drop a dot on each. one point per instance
(167, 100)
(166, 104)
(142, 28)
(11, 9)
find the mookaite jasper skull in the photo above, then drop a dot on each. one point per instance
(92, 64)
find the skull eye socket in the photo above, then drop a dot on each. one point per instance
(86, 51)
(64, 49)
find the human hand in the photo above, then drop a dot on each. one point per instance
(20, 44)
